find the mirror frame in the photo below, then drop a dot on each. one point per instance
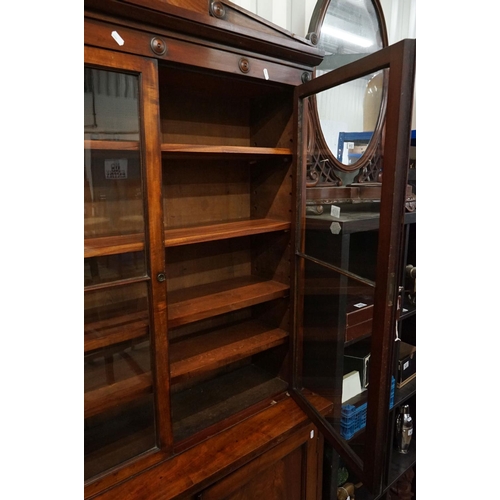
(315, 134)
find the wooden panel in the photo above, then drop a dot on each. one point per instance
(197, 193)
(213, 119)
(209, 461)
(278, 474)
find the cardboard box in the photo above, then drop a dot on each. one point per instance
(407, 364)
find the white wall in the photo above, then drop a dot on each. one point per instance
(295, 16)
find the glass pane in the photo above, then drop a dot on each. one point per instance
(119, 408)
(118, 401)
(348, 114)
(336, 337)
(338, 253)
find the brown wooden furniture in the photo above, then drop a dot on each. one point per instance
(193, 211)
(189, 203)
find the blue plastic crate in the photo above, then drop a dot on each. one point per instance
(353, 419)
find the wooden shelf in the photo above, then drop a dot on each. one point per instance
(222, 231)
(192, 304)
(115, 379)
(411, 310)
(220, 347)
(105, 145)
(406, 392)
(115, 330)
(205, 301)
(226, 152)
(189, 358)
(400, 463)
(208, 403)
(119, 393)
(113, 245)
(351, 221)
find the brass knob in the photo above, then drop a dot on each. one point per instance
(244, 65)
(158, 46)
(217, 10)
(306, 77)
(161, 277)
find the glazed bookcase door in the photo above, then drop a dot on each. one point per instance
(123, 263)
(346, 286)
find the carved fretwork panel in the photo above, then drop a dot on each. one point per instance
(321, 168)
(320, 171)
(371, 171)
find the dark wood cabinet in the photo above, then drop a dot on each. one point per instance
(194, 261)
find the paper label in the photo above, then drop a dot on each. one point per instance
(335, 211)
(359, 305)
(406, 365)
(266, 74)
(115, 169)
(117, 38)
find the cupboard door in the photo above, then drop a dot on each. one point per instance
(123, 262)
(346, 286)
(289, 471)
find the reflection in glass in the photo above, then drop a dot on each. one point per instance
(119, 409)
(118, 400)
(114, 267)
(337, 316)
(339, 260)
(111, 105)
(113, 193)
(348, 113)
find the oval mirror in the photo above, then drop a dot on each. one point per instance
(349, 117)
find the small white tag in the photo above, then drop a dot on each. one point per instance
(335, 211)
(312, 434)
(350, 145)
(359, 305)
(410, 432)
(266, 74)
(118, 39)
(405, 310)
(406, 365)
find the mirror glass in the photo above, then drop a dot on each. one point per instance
(348, 113)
